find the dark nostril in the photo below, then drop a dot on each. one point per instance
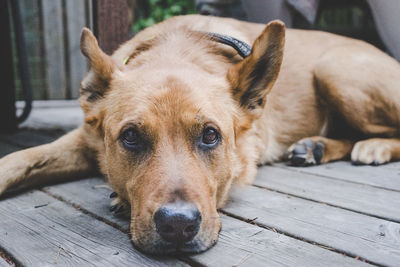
(190, 228)
(178, 222)
(166, 229)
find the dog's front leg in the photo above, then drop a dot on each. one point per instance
(68, 156)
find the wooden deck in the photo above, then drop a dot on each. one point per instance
(331, 215)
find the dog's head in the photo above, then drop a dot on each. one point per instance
(170, 130)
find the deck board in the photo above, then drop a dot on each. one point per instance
(386, 176)
(4, 263)
(239, 241)
(355, 234)
(40, 230)
(362, 198)
(329, 215)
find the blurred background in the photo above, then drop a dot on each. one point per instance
(43, 60)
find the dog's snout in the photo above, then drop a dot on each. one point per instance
(177, 222)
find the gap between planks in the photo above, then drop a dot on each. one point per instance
(69, 191)
(325, 203)
(374, 239)
(342, 252)
(364, 199)
(186, 260)
(311, 242)
(58, 226)
(318, 171)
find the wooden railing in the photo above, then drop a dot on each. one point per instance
(52, 31)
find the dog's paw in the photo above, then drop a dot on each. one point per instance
(306, 152)
(371, 152)
(119, 206)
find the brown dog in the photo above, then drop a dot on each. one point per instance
(173, 118)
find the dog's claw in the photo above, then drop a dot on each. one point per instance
(306, 153)
(119, 209)
(118, 206)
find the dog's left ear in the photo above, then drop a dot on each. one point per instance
(97, 81)
(253, 78)
(101, 63)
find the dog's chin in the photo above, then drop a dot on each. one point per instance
(160, 247)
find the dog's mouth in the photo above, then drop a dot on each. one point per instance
(159, 246)
(165, 248)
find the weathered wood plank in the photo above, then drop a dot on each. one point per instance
(89, 13)
(3, 263)
(243, 244)
(356, 234)
(385, 176)
(361, 198)
(63, 118)
(39, 230)
(30, 12)
(240, 243)
(75, 13)
(393, 165)
(111, 23)
(91, 194)
(54, 48)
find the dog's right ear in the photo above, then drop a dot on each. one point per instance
(253, 77)
(101, 65)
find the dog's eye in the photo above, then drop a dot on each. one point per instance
(131, 139)
(210, 137)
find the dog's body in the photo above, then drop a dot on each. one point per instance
(173, 118)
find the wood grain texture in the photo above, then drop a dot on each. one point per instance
(243, 244)
(76, 20)
(361, 198)
(385, 176)
(54, 48)
(36, 235)
(239, 243)
(356, 234)
(92, 195)
(31, 16)
(39, 230)
(112, 24)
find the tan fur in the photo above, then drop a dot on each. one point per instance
(177, 81)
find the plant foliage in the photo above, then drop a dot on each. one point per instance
(155, 11)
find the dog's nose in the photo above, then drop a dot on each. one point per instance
(177, 222)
